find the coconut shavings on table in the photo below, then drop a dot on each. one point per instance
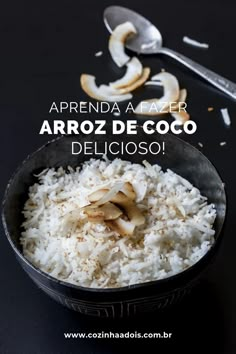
(195, 43)
(98, 54)
(225, 116)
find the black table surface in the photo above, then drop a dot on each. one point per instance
(44, 49)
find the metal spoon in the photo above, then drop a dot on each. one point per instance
(149, 41)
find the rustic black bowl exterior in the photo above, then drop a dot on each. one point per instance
(182, 158)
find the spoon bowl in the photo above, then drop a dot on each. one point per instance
(148, 39)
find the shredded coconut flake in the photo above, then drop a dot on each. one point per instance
(195, 43)
(225, 116)
(98, 54)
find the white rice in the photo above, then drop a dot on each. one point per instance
(59, 240)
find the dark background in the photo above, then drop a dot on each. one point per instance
(43, 50)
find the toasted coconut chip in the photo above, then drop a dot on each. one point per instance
(120, 198)
(183, 95)
(133, 213)
(103, 208)
(170, 85)
(111, 211)
(112, 91)
(143, 78)
(103, 196)
(156, 106)
(128, 190)
(121, 226)
(97, 195)
(133, 73)
(182, 99)
(108, 90)
(89, 86)
(131, 210)
(94, 214)
(181, 116)
(117, 41)
(105, 212)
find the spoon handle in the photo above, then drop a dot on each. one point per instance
(220, 82)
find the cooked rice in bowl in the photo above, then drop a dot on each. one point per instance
(78, 230)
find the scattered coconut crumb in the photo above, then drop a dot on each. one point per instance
(195, 43)
(117, 114)
(225, 116)
(200, 144)
(163, 70)
(98, 54)
(210, 109)
(223, 143)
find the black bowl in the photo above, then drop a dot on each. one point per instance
(179, 156)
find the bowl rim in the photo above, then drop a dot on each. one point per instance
(126, 288)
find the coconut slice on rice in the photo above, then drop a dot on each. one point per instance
(104, 195)
(101, 213)
(88, 84)
(117, 41)
(123, 199)
(128, 190)
(121, 226)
